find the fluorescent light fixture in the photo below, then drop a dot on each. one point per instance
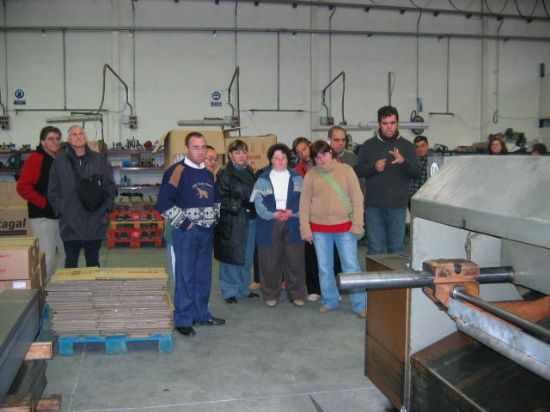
(373, 124)
(76, 118)
(212, 121)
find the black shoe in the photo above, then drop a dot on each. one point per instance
(186, 331)
(231, 300)
(214, 321)
(253, 295)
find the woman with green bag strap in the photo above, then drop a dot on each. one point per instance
(331, 213)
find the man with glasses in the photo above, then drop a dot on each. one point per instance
(189, 200)
(33, 187)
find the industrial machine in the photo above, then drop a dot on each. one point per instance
(480, 264)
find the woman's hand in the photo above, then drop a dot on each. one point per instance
(309, 239)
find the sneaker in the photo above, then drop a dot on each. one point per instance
(324, 309)
(362, 314)
(271, 303)
(298, 302)
(313, 297)
(252, 295)
(340, 298)
(254, 286)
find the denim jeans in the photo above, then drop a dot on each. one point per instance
(193, 250)
(234, 280)
(346, 243)
(385, 229)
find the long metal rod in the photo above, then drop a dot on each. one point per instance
(413, 279)
(64, 59)
(497, 345)
(236, 74)
(105, 67)
(5, 24)
(155, 29)
(342, 74)
(532, 328)
(400, 9)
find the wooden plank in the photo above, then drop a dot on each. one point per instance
(49, 403)
(39, 351)
(17, 403)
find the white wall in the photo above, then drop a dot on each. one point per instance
(176, 70)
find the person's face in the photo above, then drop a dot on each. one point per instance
(239, 156)
(51, 142)
(496, 147)
(302, 150)
(388, 126)
(279, 161)
(196, 150)
(211, 160)
(323, 160)
(422, 148)
(77, 138)
(338, 141)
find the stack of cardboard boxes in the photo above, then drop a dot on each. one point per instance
(14, 219)
(22, 265)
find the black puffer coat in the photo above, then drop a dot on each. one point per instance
(236, 211)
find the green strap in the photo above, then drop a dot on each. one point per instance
(338, 189)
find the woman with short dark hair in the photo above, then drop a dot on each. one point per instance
(234, 233)
(331, 213)
(280, 249)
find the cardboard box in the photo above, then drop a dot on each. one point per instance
(14, 221)
(174, 145)
(34, 282)
(9, 196)
(257, 148)
(19, 241)
(18, 262)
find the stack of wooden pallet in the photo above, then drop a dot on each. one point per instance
(110, 302)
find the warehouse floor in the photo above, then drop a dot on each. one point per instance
(263, 359)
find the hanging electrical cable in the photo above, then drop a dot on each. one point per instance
(496, 14)
(465, 10)
(497, 76)
(545, 8)
(530, 14)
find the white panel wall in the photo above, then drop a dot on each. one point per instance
(176, 71)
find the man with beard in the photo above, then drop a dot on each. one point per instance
(388, 162)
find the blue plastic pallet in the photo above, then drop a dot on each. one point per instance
(113, 344)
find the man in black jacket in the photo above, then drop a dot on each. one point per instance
(388, 162)
(80, 228)
(33, 187)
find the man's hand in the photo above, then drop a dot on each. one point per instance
(280, 215)
(380, 165)
(190, 226)
(398, 156)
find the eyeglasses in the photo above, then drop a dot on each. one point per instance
(211, 159)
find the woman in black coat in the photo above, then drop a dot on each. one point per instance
(234, 236)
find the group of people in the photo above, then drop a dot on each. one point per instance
(48, 180)
(299, 221)
(303, 221)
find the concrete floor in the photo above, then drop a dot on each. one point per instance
(264, 359)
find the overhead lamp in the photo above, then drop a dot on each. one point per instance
(211, 121)
(76, 118)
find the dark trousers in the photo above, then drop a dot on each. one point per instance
(283, 259)
(193, 250)
(72, 252)
(312, 269)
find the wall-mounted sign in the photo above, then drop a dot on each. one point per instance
(19, 97)
(216, 99)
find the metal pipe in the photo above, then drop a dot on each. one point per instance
(497, 345)
(400, 9)
(5, 24)
(236, 74)
(413, 279)
(532, 328)
(64, 59)
(105, 67)
(342, 74)
(362, 33)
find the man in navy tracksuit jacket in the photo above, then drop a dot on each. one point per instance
(189, 200)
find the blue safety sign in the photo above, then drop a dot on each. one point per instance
(19, 95)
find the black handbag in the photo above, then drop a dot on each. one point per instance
(90, 190)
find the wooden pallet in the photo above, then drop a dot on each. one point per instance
(137, 224)
(24, 403)
(114, 344)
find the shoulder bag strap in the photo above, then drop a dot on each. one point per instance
(338, 189)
